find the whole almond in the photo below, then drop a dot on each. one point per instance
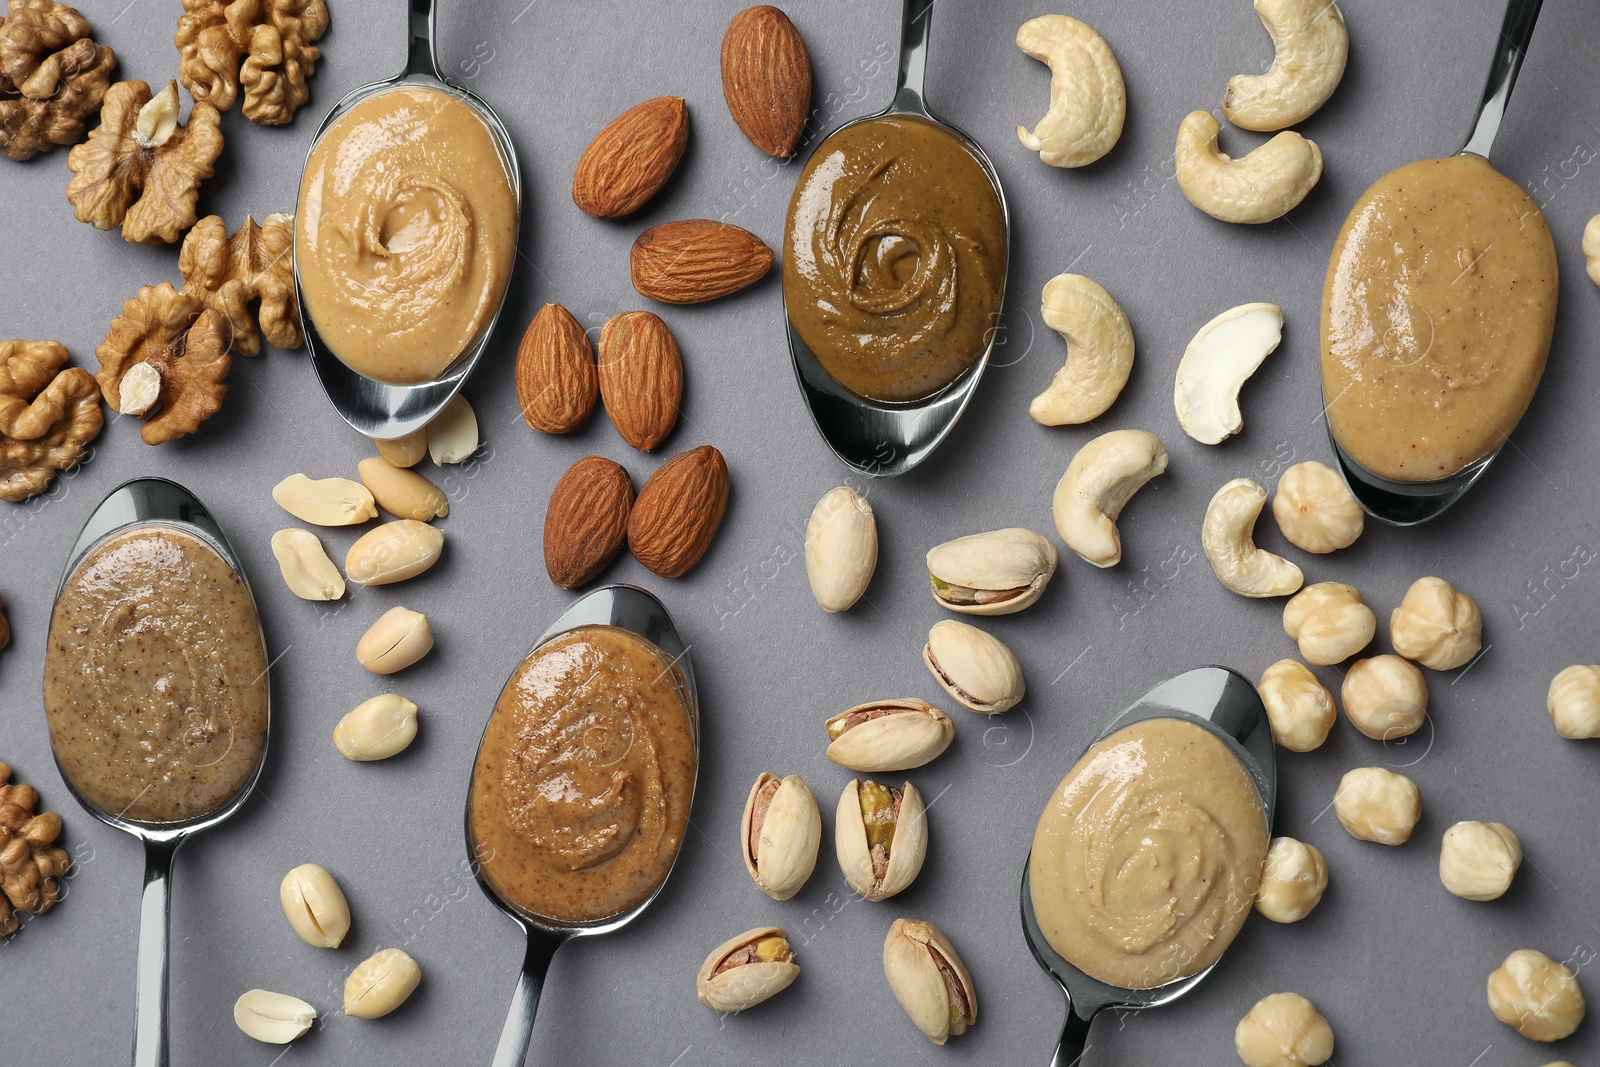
(695, 260)
(766, 79)
(641, 377)
(557, 384)
(587, 521)
(679, 510)
(631, 159)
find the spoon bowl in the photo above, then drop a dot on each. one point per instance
(1223, 702)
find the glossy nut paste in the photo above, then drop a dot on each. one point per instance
(155, 679)
(584, 778)
(1437, 312)
(894, 258)
(1146, 860)
(405, 234)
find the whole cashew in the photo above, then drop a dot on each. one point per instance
(1259, 187)
(1099, 481)
(1226, 536)
(1311, 45)
(1099, 351)
(1591, 249)
(1087, 97)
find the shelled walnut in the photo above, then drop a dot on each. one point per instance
(49, 413)
(141, 169)
(29, 863)
(255, 262)
(273, 39)
(53, 77)
(185, 345)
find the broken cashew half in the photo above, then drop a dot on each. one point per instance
(1099, 351)
(1226, 535)
(1087, 98)
(1591, 249)
(1215, 366)
(1311, 46)
(1259, 187)
(1099, 481)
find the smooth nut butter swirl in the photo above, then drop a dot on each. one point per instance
(1146, 860)
(404, 237)
(155, 679)
(584, 777)
(893, 258)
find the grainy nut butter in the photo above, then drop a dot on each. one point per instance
(1146, 860)
(405, 234)
(583, 781)
(155, 679)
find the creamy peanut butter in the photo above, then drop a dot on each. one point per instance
(406, 233)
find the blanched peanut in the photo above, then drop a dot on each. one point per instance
(315, 906)
(1299, 707)
(305, 566)
(1385, 697)
(272, 1018)
(402, 493)
(453, 433)
(380, 984)
(398, 639)
(377, 729)
(405, 451)
(325, 501)
(393, 552)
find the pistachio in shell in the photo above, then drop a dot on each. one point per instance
(929, 979)
(889, 735)
(974, 667)
(780, 834)
(993, 573)
(881, 837)
(745, 970)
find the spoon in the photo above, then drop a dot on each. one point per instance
(1225, 703)
(875, 437)
(384, 410)
(625, 607)
(145, 502)
(1411, 503)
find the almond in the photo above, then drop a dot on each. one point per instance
(631, 159)
(641, 377)
(695, 260)
(587, 521)
(557, 383)
(766, 79)
(679, 510)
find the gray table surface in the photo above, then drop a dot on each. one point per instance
(1396, 963)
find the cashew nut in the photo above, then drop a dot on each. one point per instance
(1591, 249)
(1259, 187)
(1311, 46)
(1099, 481)
(1226, 536)
(1215, 366)
(1087, 97)
(1099, 351)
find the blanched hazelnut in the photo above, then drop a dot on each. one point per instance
(1299, 707)
(1292, 880)
(1478, 859)
(1375, 804)
(1331, 622)
(1536, 996)
(1315, 509)
(1283, 1030)
(1574, 702)
(1385, 697)
(1437, 625)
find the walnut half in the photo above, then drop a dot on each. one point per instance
(255, 263)
(187, 345)
(274, 39)
(52, 77)
(49, 413)
(29, 862)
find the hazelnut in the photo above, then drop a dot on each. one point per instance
(1315, 509)
(1536, 996)
(1330, 621)
(1299, 707)
(1379, 805)
(1437, 625)
(1574, 702)
(1385, 697)
(1292, 880)
(1283, 1030)
(1478, 859)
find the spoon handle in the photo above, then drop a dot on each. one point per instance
(1074, 1039)
(1510, 47)
(915, 19)
(518, 1030)
(420, 57)
(155, 909)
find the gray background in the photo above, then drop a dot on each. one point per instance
(1397, 964)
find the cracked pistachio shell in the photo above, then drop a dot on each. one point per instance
(747, 984)
(929, 979)
(779, 834)
(994, 573)
(907, 849)
(974, 667)
(841, 548)
(889, 735)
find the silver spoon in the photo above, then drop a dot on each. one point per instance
(874, 437)
(630, 608)
(1410, 503)
(381, 409)
(158, 502)
(1224, 702)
